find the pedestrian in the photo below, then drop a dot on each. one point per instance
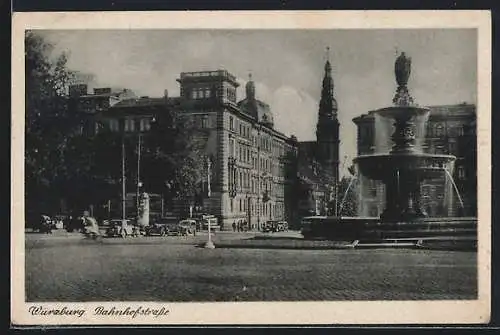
(234, 226)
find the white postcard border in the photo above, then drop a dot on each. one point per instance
(250, 313)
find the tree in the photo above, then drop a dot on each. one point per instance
(173, 157)
(48, 122)
(293, 191)
(347, 195)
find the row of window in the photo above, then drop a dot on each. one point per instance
(245, 180)
(231, 94)
(244, 153)
(244, 129)
(130, 125)
(439, 130)
(265, 142)
(204, 92)
(204, 121)
(201, 93)
(265, 208)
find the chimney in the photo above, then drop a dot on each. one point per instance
(77, 90)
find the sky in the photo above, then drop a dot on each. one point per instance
(286, 65)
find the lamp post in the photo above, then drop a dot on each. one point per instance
(123, 179)
(139, 184)
(209, 244)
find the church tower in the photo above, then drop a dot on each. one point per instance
(327, 129)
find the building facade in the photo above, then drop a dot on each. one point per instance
(246, 156)
(451, 130)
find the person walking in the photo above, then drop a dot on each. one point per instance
(234, 226)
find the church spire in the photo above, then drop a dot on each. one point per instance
(327, 128)
(328, 104)
(328, 67)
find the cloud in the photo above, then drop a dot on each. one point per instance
(295, 112)
(287, 66)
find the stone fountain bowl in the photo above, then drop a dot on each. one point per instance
(419, 165)
(395, 112)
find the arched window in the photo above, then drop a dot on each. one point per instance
(439, 130)
(461, 173)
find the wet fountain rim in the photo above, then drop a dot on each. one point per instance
(393, 111)
(405, 154)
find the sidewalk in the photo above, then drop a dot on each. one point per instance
(56, 234)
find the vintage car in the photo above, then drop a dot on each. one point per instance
(58, 221)
(282, 226)
(119, 228)
(45, 224)
(269, 226)
(188, 225)
(181, 228)
(275, 226)
(75, 223)
(158, 227)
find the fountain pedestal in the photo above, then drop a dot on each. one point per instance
(402, 199)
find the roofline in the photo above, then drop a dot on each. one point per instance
(433, 108)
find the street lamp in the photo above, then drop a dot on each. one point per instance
(124, 200)
(209, 244)
(139, 184)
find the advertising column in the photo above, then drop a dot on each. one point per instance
(143, 217)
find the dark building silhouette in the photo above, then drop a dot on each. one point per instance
(319, 160)
(327, 129)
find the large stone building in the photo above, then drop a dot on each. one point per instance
(451, 129)
(247, 155)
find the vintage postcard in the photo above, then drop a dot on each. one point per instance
(246, 168)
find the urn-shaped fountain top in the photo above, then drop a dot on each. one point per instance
(402, 69)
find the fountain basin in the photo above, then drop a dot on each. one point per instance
(417, 165)
(373, 229)
(400, 111)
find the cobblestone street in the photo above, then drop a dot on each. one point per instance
(174, 269)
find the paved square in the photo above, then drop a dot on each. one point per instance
(174, 269)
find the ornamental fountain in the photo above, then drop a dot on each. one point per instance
(403, 169)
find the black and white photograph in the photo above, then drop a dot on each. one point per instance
(258, 173)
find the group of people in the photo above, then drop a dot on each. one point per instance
(242, 226)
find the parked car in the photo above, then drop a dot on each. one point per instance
(117, 227)
(181, 228)
(158, 227)
(45, 224)
(282, 226)
(75, 223)
(274, 226)
(58, 221)
(189, 225)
